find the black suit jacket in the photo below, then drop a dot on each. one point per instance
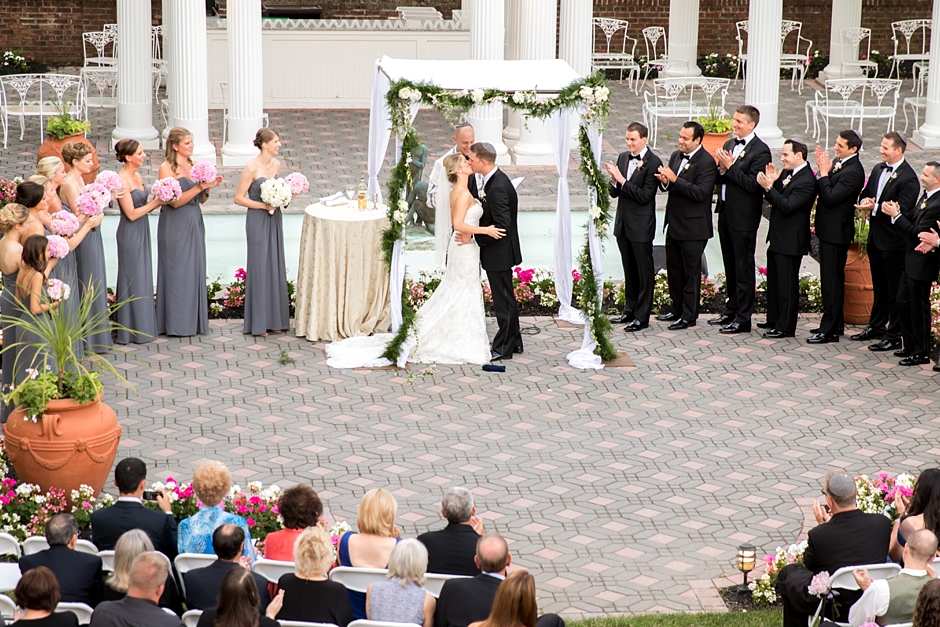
(903, 189)
(500, 208)
(920, 266)
(109, 523)
(741, 208)
(451, 550)
(636, 199)
(203, 584)
(465, 601)
(79, 574)
(689, 206)
(790, 208)
(851, 538)
(838, 195)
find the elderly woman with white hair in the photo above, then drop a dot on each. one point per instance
(401, 598)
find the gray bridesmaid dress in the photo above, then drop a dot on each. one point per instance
(135, 277)
(31, 357)
(89, 257)
(67, 272)
(182, 304)
(8, 307)
(266, 303)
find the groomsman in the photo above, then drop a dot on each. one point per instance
(839, 183)
(791, 194)
(895, 180)
(920, 269)
(690, 182)
(739, 204)
(634, 185)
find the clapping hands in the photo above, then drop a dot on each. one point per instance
(823, 162)
(614, 172)
(725, 158)
(928, 240)
(768, 177)
(891, 208)
(665, 175)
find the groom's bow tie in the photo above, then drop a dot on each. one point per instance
(631, 157)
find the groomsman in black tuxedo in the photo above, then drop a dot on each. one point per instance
(739, 204)
(689, 181)
(839, 183)
(634, 185)
(791, 194)
(893, 179)
(920, 269)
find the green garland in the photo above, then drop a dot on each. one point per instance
(590, 94)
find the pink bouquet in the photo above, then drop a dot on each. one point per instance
(58, 247)
(110, 179)
(203, 172)
(86, 204)
(93, 199)
(57, 290)
(64, 223)
(167, 190)
(298, 183)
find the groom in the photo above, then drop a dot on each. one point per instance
(497, 256)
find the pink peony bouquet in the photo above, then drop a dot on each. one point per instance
(58, 247)
(57, 290)
(63, 223)
(167, 190)
(820, 585)
(93, 199)
(298, 183)
(203, 172)
(110, 179)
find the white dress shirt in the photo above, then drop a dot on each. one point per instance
(874, 601)
(883, 180)
(735, 153)
(632, 163)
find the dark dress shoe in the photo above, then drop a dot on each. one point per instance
(822, 338)
(868, 334)
(885, 345)
(936, 367)
(636, 325)
(622, 319)
(776, 335)
(915, 360)
(903, 353)
(722, 320)
(765, 325)
(678, 325)
(735, 327)
(816, 330)
(494, 356)
(666, 317)
(517, 350)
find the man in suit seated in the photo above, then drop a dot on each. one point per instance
(203, 584)
(451, 550)
(139, 608)
(79, 574)
(844, 537)
(108, 524)
(468, 600)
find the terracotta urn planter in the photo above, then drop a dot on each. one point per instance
(712, 142)
(70, 444)
(859, 293)
(52, 147)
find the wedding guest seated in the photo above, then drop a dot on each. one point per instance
(920, 511)
(372, 546)
(468, 600)
(514, 603)
(110, 523)
(202, 584)
(139, 608)
(37, 593)
(401, 597)
(927, 609)
(846, 537)
(451, 550)
(308, 594)
(891, 601)
(79, 574)
(128, 547)
(212, 482)
(300, 507)
(239, 604)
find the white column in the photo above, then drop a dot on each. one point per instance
(465, 17)
(169, 34)
(845, 14)
(515, 23)
(574, 35)
(928, 135)
(683, 37)
(486, 44)
(246, 109)
(135, 76)
(188, 65)
(536, 40)
(763, 74)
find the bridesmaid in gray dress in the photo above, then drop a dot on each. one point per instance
(135, 269)
(30, 284)
(266, 303)
(182, 304)
(15, 223)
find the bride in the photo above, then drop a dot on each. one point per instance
(450, 328)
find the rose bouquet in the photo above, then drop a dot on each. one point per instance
(166, 190)
(57, 290)
(298, 183)
(203, 172)
(58, 247)
(111, 180)
(64, 223)
(276, 192)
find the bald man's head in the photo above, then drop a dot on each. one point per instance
(492, 553)
(922, 546)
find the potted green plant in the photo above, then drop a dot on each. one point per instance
(717, 126)
(859, 290)
(60, 433)
(62, 129)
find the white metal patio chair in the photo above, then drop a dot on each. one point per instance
(741, 28)
(99, 88)
(852, 39)
(98, 47)
(615, 52)
(38, 95)
(798, 60)
(915, 104)
(905, 35)
(657, 54)
(854, 99)
(683, 99)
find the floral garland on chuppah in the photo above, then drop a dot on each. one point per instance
(589, 95)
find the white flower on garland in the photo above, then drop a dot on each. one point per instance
(276, 192)
(601, 94)
(586, 93)
(595, 212)
(461, 94)
(519, 97)
(404, 93)
(398, 216)
(477, 95)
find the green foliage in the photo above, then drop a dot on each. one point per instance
(213, 286)
(63, 125)
(284, 358)
(716, 121)
(762, 618)
(862, 218)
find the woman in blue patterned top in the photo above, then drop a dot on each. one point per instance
(212, 482)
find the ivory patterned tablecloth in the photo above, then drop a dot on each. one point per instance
(342, 281)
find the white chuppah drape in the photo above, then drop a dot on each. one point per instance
(559, 128)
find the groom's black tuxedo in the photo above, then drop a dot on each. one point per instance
(498, 256)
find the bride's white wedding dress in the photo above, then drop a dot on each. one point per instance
(450, 327)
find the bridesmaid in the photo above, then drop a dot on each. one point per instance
(266, 303)
(32, 195)
(54, 171)
(29, 290)
(89, 257)
(182, 305)
(15, 223)
(135, 268)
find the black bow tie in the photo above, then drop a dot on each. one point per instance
(687, 157)
(888, 168)
(739, 142)
(637, 157)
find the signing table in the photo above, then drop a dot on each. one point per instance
(342, 281)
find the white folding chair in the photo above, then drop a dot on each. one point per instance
(377, 623)
(843, 579)
(34, 544)
(272, 570)
(107, 560)
(86, 546)
(82, 611)
(357, 579)
(191, 618)
(433, 582)
(301, 623)
(186, 562)
(9, 545)
(9, 576)
(7, 609)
